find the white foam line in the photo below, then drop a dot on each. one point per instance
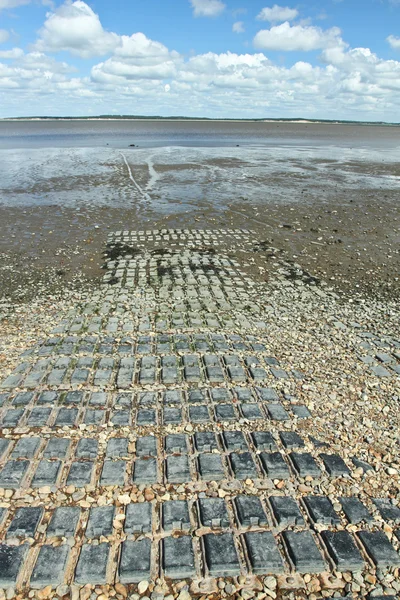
(131, 177)
(152, 173)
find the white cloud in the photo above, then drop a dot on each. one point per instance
(394, 42)
(238, 27)
(4, 4)
(142, 75)
(12, 3)
(137, 57)
(11, 54)
(277, 14)
(76, 28)
(4, 35)
(207, 8)
(297, 38)
(140, 48)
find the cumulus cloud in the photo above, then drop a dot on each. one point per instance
(74, 27)
(207, 8)
(142, 75)
(137, 57)
(140, 48)
(33, 74)
(394, 42)
(4, 35)
(11, 54)
(297, 38)
(238, 27)
(277, 14)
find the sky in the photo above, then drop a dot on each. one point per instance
(320, 59)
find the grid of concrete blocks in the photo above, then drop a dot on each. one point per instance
(110, 403)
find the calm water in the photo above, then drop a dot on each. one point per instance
(23, 134)
(177, 165)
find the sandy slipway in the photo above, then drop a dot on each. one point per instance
(200, 427)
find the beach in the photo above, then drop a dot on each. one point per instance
(211, 331)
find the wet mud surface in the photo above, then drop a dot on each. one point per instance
(335, 211)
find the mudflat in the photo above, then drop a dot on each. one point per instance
(326, 196)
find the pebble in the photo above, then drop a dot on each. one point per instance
(350, 411)
(143, 586)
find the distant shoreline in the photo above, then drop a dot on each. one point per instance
(202, 119)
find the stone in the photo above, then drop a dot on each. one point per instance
(146, 446)
(355, 510)
(263, 440)
(234, 440)
(63, 590)
(47, 473)
(135, 563)
(300, 411)
(286, 511)
(64, 521)
(220, 555)
(379, 549)
(205, 441)
(199, 414)
(11, 560)
(50, 566)
(251, 411)
(113, 472)
(80, 473)
(25, 522)
(13, 473)
(343, 550)
(213, 512)
(277, 412)
(92, 564)
(117, 447)
(225, 412)
(177, 469)
(100, 521)
(176, 444)
(321, 510)
(250, 511)
(66, 417)
(211, 467)
(291, 439)
(143, 586)
(304, 552)
(175, 515)
(387, 510)
(39, 417)
(335, 465)
(267, 394)
(138, 518)
(263, 552)
(172, 416)
(243, 465)
(274, 465)
(57, 448)
(380, 371)
(178, 557)
(305, 464)
(145, 470)
(146, 416)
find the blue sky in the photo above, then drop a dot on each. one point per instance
(213, 58)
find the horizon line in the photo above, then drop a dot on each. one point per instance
(183, 118)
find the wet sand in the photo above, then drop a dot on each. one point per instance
(333, 209)
(354, 246)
